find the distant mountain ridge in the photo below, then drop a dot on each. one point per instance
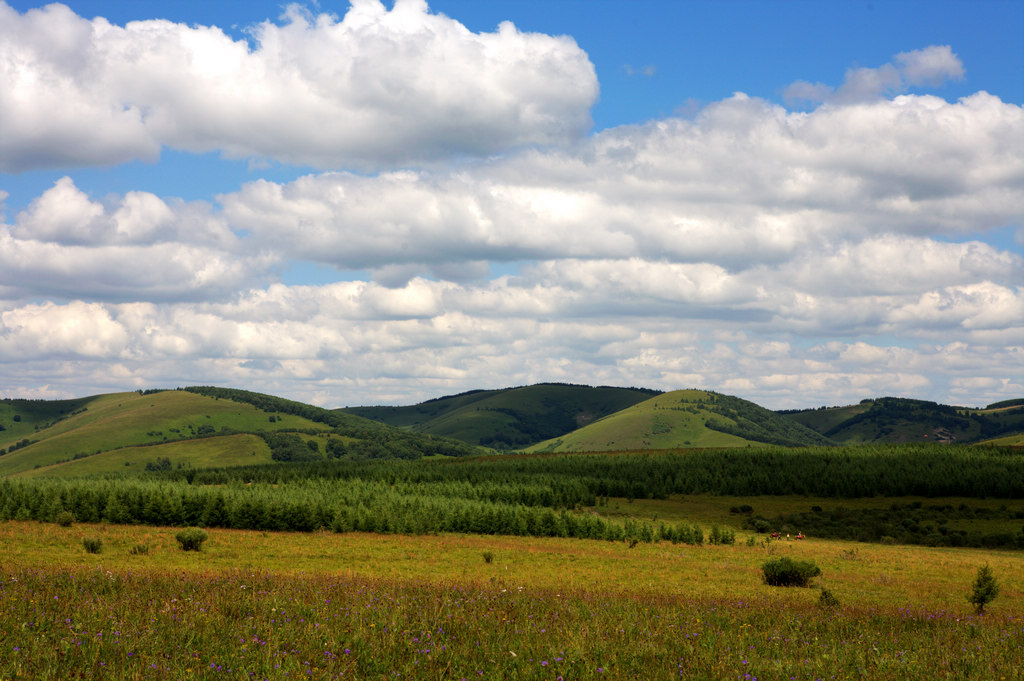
(209, 427)
(509, 418)
(899, 420)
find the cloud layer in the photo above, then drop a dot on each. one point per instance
(314, 90)
(794, 257)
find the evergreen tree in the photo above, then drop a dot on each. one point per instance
(985, 589)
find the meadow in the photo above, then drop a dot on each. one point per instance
(621, 565)
(325, 605)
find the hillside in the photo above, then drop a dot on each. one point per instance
(190, 428)
(511, 417)
(899, 420)
(685, 418)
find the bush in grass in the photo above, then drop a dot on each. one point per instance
(92, 545)
(788, 572)
(721, 535)
(65, 518)
(488, 556)
(827, 599)
(191, 539)
(985, 589)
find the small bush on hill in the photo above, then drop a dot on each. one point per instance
(788, 572)
(92, 545)
(191, 539)
(65, 518)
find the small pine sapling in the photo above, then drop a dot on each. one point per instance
(985, 589)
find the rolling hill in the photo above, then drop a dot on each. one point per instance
(509, 418)
(198, 427)
(899, 420)
(685, 418)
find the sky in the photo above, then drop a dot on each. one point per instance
(797, 203)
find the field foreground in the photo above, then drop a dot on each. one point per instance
(360, 606)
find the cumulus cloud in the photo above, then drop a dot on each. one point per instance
(376, 87)
(134, 247)
(792, 257)
(931, 66)
(357, 342)
(743, 183)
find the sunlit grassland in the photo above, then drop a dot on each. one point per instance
(130, 419)
(230, 450)
(1008, 441)
(652, 424)
(325, 605)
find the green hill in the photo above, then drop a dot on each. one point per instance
(899, 420)
(685, 418)
(509, 418)
(196, 427)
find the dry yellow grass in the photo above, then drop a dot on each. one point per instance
(860, 575)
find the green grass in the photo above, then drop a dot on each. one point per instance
(512, 417)
(708, 509)
(1016, 440)
(329, 606)
(824, 420)
(122, 420)
(896, 420)
(672, 420)
(222, 451)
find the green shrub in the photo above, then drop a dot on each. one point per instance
(827, 599)
(721, 535)
(191, 539)
(65, 518)
(93, 545)
(488, 556)
(788, 572)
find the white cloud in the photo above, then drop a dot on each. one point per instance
(135, 247)
(931, 66)
(747, 248)
(745, 182)
(377, 87)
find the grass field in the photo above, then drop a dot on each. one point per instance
(655, 423)
(129, 420)
(229, 450)
(323, 606)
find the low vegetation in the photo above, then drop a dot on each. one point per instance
(191, 539)
(327, 546)
(789, 572)
(326, 606)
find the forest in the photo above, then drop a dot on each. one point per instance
(527, 495)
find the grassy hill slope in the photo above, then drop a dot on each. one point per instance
(196, 427)
(107, 423)
(512, 417)
(899, 420)
(684, 418)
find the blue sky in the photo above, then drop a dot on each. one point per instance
(800, 203)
